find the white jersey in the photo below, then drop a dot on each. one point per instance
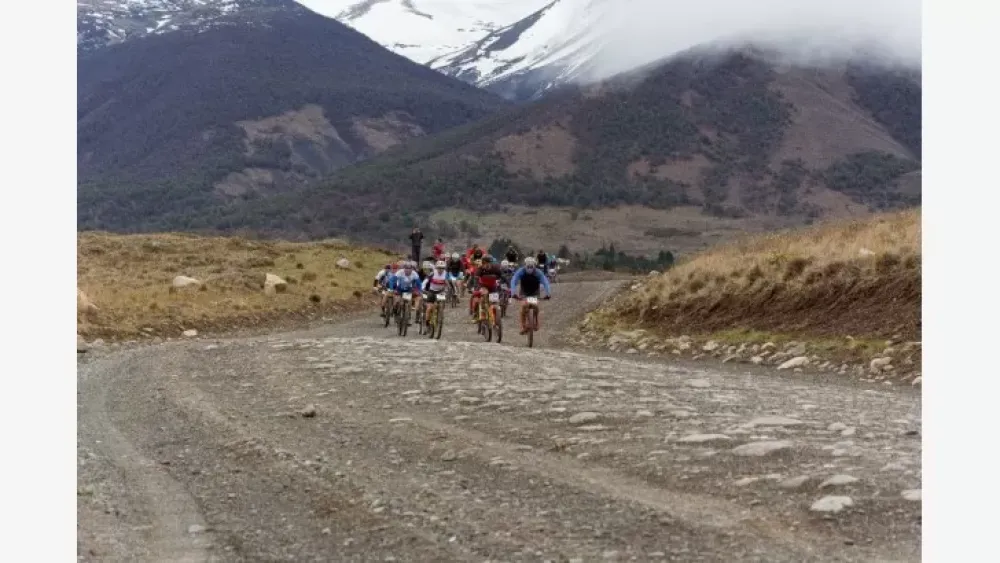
(436, 282)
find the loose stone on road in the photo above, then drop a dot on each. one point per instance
(348, 442)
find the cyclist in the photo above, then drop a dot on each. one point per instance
(437, 251)
(474, 259)
(425, 270)
(455, 273)
(382, 279)
(529, 279)
(434, 285)
(542, 261)
(511, 255)
(474, 253)
(407, 280)
(489, 275)
(508, 269)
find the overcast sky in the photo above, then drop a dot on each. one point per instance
(810, 30)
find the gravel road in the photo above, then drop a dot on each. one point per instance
(348, 443)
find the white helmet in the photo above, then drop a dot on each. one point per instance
(455, 256)
(441, 264)
(407, 265)
(504, 264)
(530, 262)
(428, 264)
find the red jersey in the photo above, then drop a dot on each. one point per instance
(438, 251)
(489, 277)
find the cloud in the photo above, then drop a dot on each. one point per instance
(639, 32)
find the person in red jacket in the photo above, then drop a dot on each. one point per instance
(438, 250)
(489, 276)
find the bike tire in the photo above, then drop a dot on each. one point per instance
(499, 330)
(531, 327)
(388, 316)
(439, 323)
(487, 327)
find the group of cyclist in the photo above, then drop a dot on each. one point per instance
(476, 271)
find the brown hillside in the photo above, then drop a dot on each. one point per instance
(732, 137)
(859, 278)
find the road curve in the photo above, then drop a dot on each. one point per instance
(459, 450)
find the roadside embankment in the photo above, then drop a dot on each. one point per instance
(842, 297)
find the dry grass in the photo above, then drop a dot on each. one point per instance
(632, 229)
(859, 277)
(129, 279)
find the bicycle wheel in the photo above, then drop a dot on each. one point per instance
(388, 313)
(498, 328)
(531, 327)
(438, 322)
(431, 321)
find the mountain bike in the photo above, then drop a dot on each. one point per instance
(435, 318)
(489, 318)
(405, 309)
(419, 316)
(389, 309)
(504, 300)
(531, 322)
(453, 293)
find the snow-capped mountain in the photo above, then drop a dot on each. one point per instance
(533, 44)
(505, 45)
(107, 22)
(424, 30)
(551, 46)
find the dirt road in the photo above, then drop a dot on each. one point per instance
(349, 443)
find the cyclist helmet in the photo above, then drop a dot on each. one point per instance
(455, 256)
(428, 264)
(441, 264)
(388, 266)
(530, 262)
(488, 259)
(407, 265)
(504, 264)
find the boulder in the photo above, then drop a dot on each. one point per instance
(274, 284)
(832, 504)
(344, 264)
(880, 363)
(83, 303)
(181, 282)
(795, 363)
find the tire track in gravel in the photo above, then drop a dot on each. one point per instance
(174, 530)
(444, 451)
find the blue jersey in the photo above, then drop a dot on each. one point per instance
(402, 282)
(530, 281)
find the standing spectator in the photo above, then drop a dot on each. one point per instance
(416, 240)
(438, 250)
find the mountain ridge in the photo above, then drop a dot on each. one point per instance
(733, 137)
(270, 100)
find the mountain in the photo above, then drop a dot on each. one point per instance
(550, 47)
(696, 145)
(425, 30)
(518, 48)
(184, 104)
